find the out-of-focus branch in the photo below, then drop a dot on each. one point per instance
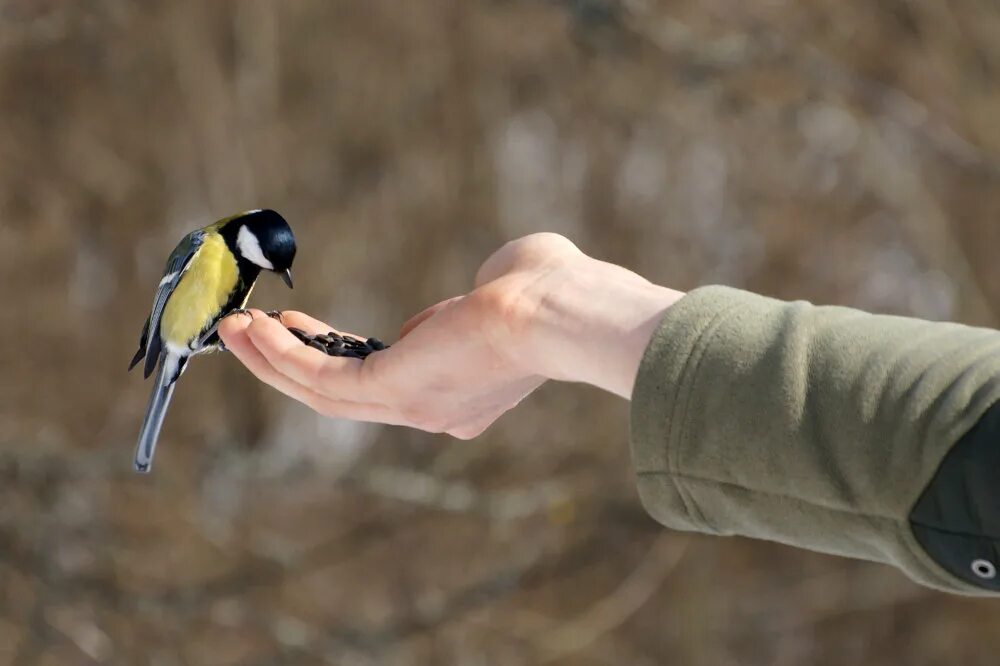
(923, 219)
(415, 487)
(606, 614)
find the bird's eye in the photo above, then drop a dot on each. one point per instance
(984, 569)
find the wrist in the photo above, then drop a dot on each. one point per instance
(591, 322)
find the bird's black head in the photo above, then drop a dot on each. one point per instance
(264, 239)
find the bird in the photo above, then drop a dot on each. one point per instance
(208, 276)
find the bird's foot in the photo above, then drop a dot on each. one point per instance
(240, 311)
(276, 314)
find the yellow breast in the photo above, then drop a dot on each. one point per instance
(203, 290)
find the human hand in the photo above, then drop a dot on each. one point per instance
(540, 309)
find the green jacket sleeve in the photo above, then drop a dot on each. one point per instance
(825, 428)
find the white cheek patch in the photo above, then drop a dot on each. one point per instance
(249, 247)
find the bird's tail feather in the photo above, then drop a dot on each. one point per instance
(163, 390)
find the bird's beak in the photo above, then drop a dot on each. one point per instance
(287, 278)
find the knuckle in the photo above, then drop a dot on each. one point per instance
(523, 251)
(502, 306)
(538, 246)
(493, 298)
(542, 240)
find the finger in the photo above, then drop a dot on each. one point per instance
(301, 320)
(335, 377)
(233, 328)
(424, 315)
(243, 348)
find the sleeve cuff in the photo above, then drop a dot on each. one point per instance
(659, 399)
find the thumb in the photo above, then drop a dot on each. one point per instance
(426, 314)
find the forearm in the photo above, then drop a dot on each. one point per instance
(591, 322)
(825, 428)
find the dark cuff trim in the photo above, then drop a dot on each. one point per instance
(957, 518)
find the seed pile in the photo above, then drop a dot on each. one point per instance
(335, 344)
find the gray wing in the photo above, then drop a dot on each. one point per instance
(149, 342)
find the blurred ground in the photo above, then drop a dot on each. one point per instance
(836, 150)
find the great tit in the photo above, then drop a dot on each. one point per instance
(209, 275)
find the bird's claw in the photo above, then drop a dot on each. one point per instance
(276, 314)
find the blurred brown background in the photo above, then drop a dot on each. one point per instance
(842, 151)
